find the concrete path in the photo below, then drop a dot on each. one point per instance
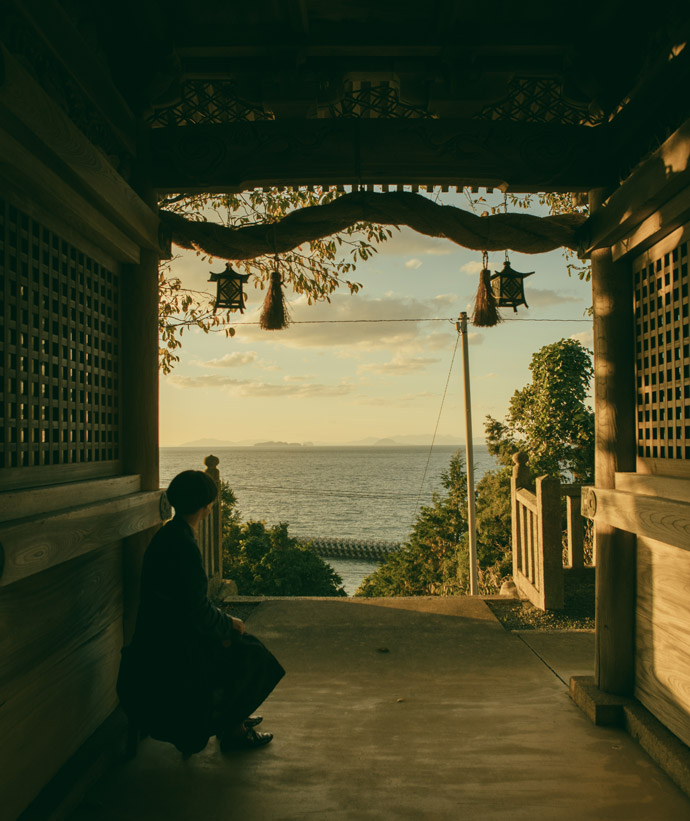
(404, 709)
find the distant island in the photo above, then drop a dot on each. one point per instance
(398, 441)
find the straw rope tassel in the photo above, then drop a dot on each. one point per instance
(274, 314)
(486, 313)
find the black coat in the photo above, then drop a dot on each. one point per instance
(168, 677)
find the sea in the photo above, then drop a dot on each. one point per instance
(358, 493)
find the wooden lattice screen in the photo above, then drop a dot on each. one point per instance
(662, 328)
(59, 349)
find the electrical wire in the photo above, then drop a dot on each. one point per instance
(433, 438)
(418, 319)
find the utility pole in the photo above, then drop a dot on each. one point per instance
(461, 326)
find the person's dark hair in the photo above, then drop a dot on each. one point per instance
(191, 490)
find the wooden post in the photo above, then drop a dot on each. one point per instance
(461, 327)
(520, 478)
(139, 407)
(549, 575)
(614, 397)
(215, 569)
(576, 543)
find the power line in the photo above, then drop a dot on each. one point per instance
(419, 319)
(433, 439)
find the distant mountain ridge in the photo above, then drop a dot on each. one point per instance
(413, 440)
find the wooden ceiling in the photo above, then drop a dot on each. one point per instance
(538, 95)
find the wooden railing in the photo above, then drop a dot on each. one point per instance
(209, 535)
(538, 567)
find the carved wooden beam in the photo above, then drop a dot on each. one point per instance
(237, 156)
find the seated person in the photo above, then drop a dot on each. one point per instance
(191, 671)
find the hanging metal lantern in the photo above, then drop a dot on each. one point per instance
(229, 293)
(509, 288)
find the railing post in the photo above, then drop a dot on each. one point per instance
(549, 547)
(214, 546)
(576, 543)
(520, 478)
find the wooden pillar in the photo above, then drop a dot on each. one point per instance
(549, 546)
(139, 379)
(614, 396)
(520, 478)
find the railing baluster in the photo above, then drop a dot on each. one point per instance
(576, 546)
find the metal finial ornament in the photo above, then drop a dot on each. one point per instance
(229, 293)
(508, 287)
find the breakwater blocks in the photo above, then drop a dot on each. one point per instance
(340, 548)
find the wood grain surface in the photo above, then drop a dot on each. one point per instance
(35, 544)
(662, 670)
(56, 611)
(53, 709)
(664, 519)
(23, 503)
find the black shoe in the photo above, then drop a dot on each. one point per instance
(253, 721)
(249, 741)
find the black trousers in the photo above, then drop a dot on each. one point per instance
(185, 696)
(244, 676)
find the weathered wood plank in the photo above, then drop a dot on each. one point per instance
(56, 611)
(85, 65)
(139, 407)
(656, 518)
(657, 180)
(54, 708)
(615, 449)
(576, 553)
(662, 678)
(550, 551)
(33, 545)
(527, 499)
(41, 500)
(670, 217)
(235, 156)
(646, 484)
(16, 478)
(22, 167)
(526, 589)
(25, 102)
(664, 467)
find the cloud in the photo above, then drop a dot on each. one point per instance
(400, 364)
(321, 331)
(384, 401)
(473, 267)
(413, 263)
(231, 360)
(247, 387)
(545, 298)
(585, 338)
(409, 243)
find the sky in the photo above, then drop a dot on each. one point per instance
(343, 382)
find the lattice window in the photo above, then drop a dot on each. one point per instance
(538, 100)
(205, 102)
(373, 100)
(663, 354)
(59, 349)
